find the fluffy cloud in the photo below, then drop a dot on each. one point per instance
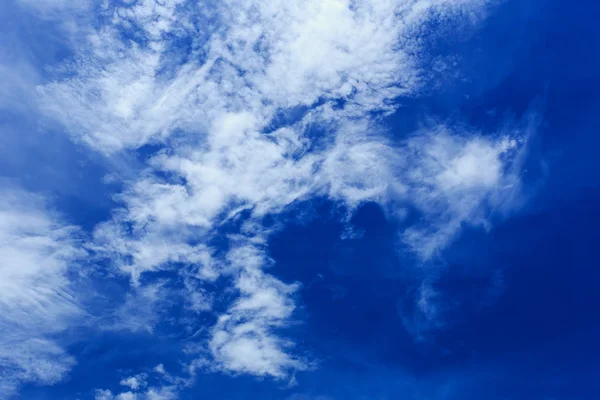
(245, 339)
(135, 382)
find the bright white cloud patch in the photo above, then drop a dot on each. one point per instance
(234, 110)
(36, 252)
(455, 179)
(135, 382)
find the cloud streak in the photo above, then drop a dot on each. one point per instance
(37, 252)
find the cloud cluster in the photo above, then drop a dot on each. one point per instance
(235, 58)
(252, 106)
(151, 394)
(140, 389)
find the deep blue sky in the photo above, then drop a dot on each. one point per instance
(504, 308)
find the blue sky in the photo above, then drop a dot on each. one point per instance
(299, 200)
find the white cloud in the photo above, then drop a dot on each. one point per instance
(215, 114)
(126, 396)
(36, 300)
(32, 360)
(362, 167)
(456, 178)
(103, 395)
(248, 57)
(150, 246)
(161, 393)
(140, 390)
(134, 382)
(245, 338)
(108, 395)
(155, 393)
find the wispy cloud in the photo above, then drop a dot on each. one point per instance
(141, 310)
(151, 394)
(245, 57)
(457, 178)
(37, 252)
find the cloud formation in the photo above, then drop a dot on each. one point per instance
(244, 339)
(37, 252)
(139, 389)
(453, 179)
(249, 107)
